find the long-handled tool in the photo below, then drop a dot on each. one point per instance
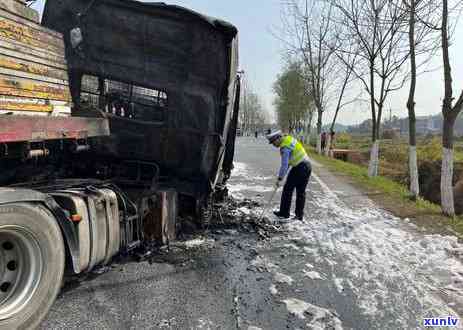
(265, 209)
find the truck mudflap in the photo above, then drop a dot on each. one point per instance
(15, 195)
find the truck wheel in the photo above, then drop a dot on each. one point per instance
(31, 264)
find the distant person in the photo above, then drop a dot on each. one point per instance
(333, 136)
(256, 134)
(269, 131)
(323, 141)
(293, 155)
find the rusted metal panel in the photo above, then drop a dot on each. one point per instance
(24, 104)
(29, 128)
(26, 75)
(19, 8)
(17, 104)
(14, 27)
(13, 63)
(13, 86)
(33, 70)
(11, 53)
(37, 52)
(29, 24)
(160, 222)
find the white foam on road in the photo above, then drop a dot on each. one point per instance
(338, 282)
(320, 318)
(392, 268)
(247, 180)
(273, 290)
(264, 262)
(245, 210)
(240, 169)
(197, 242)
(278, 276)
(313, 275)
(243, 171)
(283, 278)
(291, 246)
(205, 324)
(251, 187)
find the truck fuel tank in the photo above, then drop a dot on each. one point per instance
(99, 225)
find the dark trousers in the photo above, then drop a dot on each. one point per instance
(298, 178)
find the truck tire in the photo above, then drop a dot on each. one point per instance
(31, 264)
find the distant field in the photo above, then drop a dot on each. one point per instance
(396, 150)
(394, 160)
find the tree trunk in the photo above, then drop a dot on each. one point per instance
(309, 130)
(319, 130)
(446, 185)
(328, 145)
(412, 157)
(374, 153)
(413, 167)
(372, 102)
(374, 160)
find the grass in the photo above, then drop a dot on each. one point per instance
(394, 191)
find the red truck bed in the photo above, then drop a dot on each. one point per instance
(29, 128)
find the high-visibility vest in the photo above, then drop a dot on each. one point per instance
(298, 154)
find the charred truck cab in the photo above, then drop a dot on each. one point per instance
(117, 118)
(165, 78)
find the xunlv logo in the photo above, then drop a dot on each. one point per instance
(441, 321)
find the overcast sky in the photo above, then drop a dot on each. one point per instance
(260, 57)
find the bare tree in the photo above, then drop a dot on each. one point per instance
(421, 41)
(346, 64)
(412, 157)
(347, 74)
(252, 114)
(306, 32)
(450, 112)
(308, 126)
(376, 26)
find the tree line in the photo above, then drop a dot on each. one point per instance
(339, 51)
(252, 116)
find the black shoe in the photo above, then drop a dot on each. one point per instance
(300, 218)
(280, 215)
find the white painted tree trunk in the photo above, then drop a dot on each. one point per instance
(328, 144)
(307, 138)
(374, 160)
(446, 185)
(319, 144)
(413, 167)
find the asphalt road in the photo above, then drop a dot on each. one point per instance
(350, 265)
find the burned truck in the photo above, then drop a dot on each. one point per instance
(117, 119)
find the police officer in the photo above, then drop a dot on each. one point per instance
(293, 155)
